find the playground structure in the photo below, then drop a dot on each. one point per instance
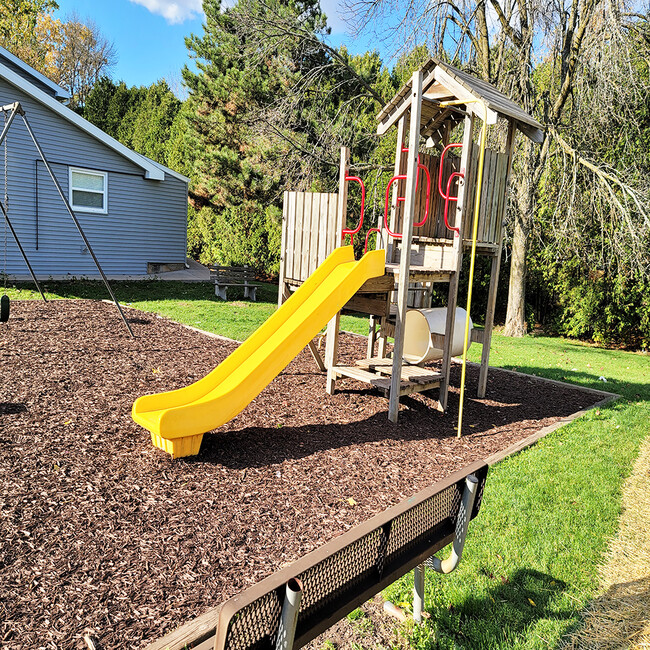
(426, 230)
(319, 276)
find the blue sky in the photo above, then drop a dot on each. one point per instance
(149, 34)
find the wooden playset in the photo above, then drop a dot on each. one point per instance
(420, 241)
(439, 206)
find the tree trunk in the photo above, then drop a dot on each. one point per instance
(525, 195)
(516, 314)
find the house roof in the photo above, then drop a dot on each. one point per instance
(26, 70)
(442, 82)
(152, 170)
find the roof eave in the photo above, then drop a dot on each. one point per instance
(445, 75)
(151, 171)
(59, 91)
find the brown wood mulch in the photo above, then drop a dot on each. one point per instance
(101, 531)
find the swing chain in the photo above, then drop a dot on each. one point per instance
(6, 197)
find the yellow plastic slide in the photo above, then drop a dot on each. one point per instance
(178, 419)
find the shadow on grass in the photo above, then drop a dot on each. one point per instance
(506, 613)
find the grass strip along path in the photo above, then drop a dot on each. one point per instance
(620, 616)
(549, 513)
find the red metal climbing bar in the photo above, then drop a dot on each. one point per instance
(398, 177)
(349, 231)
(446, 196)
(377, 230)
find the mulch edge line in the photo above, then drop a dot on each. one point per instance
(544, 431)
(556, 382)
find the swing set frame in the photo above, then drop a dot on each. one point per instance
(12, 110)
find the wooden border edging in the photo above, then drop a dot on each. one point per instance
(516, 447)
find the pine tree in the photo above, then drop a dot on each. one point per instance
(234, 179)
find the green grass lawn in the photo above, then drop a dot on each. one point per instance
(532, 555)
(192, 303)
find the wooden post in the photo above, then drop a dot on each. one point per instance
(407, 236)
(401, 126)
(458, 249)
(494, 274)
(392, 220)
(372, 335)
(283, 248)
(332, 340)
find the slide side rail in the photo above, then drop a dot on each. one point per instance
(338, 577)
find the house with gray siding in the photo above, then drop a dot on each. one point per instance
(132, 209)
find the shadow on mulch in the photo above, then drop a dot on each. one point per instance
(11, 408)
(417, 423)
(101, 530)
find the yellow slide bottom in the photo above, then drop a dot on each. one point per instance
(178, 419)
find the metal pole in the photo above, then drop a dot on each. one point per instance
(477, 210)
(15, 109)
(76, 222)
(22, 252)
(289, 616)
(462, 523)
(418, 593)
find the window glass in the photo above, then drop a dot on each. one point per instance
(88, 181)
(87, 199)
(88, 190)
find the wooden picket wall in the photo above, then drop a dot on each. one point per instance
(308, 233)
(493, 195)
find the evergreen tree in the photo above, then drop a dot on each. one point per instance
(140, 118)
(235, 178)
(269, 107)
(98, 104)
(154, 116)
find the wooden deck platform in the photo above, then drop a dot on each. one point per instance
(377, 372)
(419, 273)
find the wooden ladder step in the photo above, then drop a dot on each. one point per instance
(415, 374)
(413, 379)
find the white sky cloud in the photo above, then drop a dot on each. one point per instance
(173, 11)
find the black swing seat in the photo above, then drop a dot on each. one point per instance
(4, 309)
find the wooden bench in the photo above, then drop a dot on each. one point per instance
(297, 603)
(233, 276)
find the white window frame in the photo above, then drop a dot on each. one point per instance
(90, 172)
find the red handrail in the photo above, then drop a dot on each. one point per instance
(353, 232)
(397, 235)
(377, 230)
(446, 196)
